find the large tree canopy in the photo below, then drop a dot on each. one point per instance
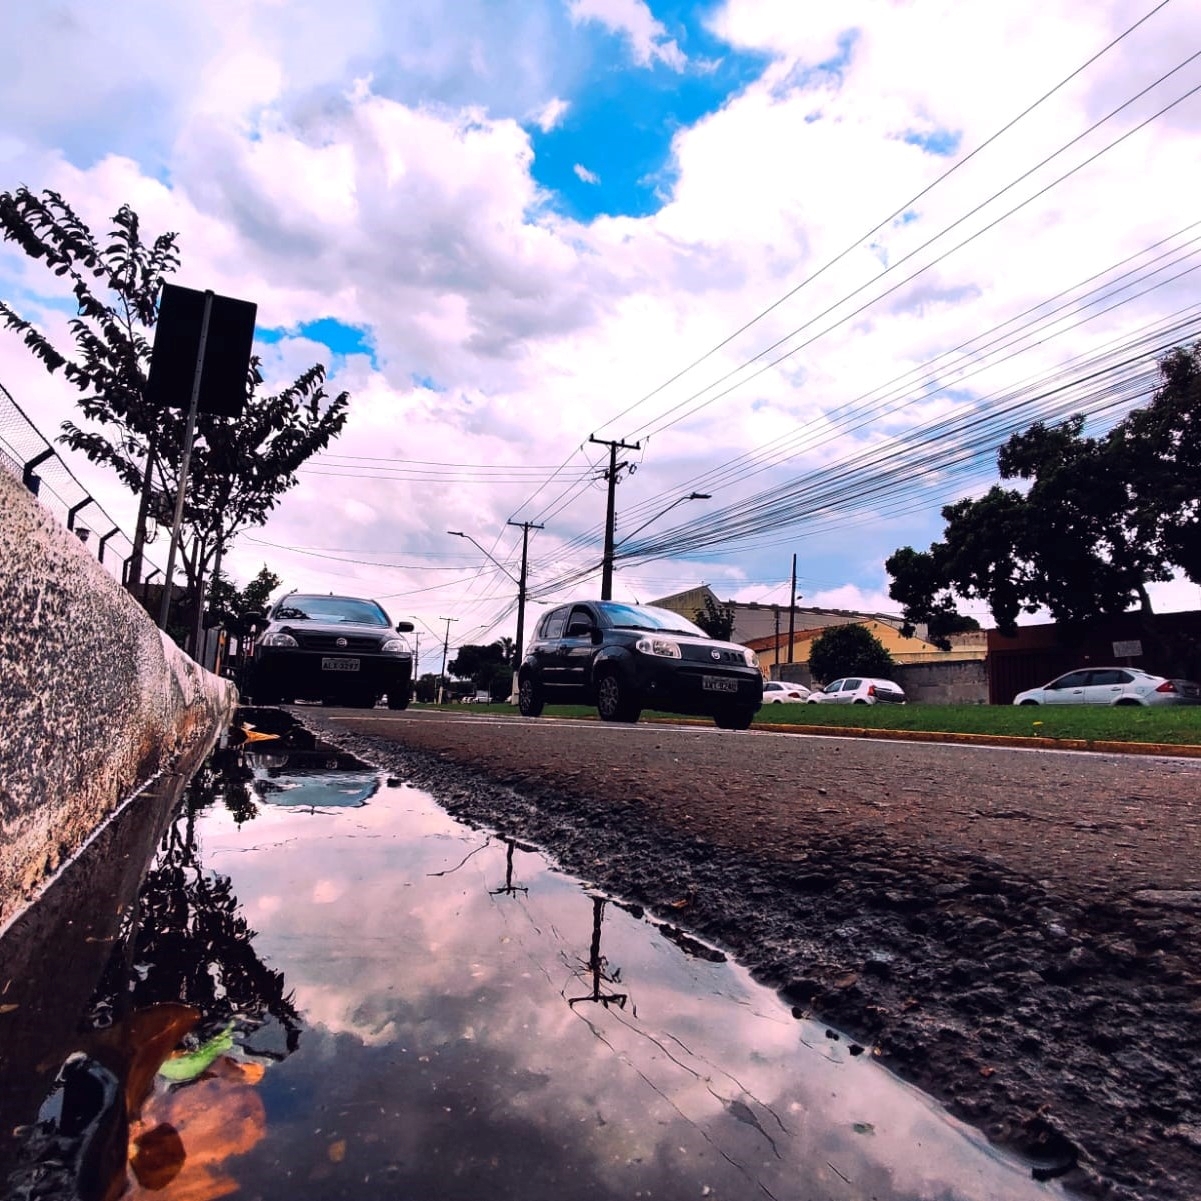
(1099, 518)
(848, 650)
(240, 466)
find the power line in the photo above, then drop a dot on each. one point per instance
(852, 246)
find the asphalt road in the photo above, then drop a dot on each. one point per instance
(1016, 931)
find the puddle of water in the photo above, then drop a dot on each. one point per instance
(382, 1000)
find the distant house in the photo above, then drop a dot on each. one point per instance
(773, 650)
(754, 621)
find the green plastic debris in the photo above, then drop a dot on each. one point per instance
(180, 1068)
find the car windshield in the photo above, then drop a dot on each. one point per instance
(647, 617)
(332, 608)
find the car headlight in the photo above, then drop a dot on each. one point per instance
(395, 646)
(663, 647)
(279, 638)
(752, 660)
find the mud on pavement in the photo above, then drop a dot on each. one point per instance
(1014, 932)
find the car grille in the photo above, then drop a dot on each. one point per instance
(705, 654)
(361, 643)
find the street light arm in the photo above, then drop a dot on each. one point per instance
(678, 501)
(501, 566)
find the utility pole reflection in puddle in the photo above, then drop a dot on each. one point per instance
(597, 966)
(508, 888)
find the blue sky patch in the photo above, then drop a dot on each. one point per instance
(943, 142)
(622, 117)
(342, 339)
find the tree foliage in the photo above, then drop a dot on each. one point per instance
(236, 606)
(716, 619)
(478, 664)
(848, 650)
(1096, 520)
(240, 466)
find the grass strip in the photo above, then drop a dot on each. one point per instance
(1168, 725)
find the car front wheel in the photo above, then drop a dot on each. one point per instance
(615, 700)
(398, 700)
(529, 697)
(1029, 703)
(734, 719)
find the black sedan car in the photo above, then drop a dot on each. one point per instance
(622, 658)
(337, 649)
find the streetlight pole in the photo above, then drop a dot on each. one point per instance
(678, 501)
(525, 527)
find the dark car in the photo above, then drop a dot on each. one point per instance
(335, 649)
(622, 657)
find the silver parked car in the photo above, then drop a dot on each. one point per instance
(858, 690)
(780, 692)
(1112, 686)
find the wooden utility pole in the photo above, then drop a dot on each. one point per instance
(445, 648)
(792, 612)
(611, 512)
(525, 527)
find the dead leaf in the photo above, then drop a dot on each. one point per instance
(337, 1151)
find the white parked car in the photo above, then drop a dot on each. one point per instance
(858, 690)
(780, 692)
(1112, 686)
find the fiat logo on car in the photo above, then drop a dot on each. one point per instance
(716, 654)
(340, 642)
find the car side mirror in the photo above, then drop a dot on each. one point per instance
(405, 627)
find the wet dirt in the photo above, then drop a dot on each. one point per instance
(1014, 932)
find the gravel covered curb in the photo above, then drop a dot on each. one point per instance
(1065, 1022)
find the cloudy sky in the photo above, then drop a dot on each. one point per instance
(814, 260)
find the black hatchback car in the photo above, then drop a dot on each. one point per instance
(622, 658)
(336, 649)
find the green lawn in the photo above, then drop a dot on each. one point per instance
(1177, 725)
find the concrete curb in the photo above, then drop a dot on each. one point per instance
(94, 700)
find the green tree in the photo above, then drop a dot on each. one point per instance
(235, 606)
(240, 466)
(716, 619)
(1098, 520)
(426, 688)
(479, 663)
(849, 650)
(915, 584)
(1163, 446)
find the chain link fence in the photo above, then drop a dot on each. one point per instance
(28, 456)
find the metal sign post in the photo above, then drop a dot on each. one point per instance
(188, 438)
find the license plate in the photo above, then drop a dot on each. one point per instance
(339, 664)
(718, 684)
